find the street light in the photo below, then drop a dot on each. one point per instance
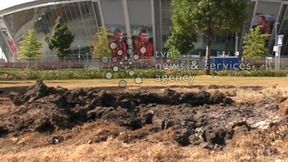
(87, 56)
(236, 44)
(277, 47)
(79, 53)
(276, 32)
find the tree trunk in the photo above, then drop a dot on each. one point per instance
(208, 54)
(27, 66)
(59, 63)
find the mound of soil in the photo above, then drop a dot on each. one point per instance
(195, 118)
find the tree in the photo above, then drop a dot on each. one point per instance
(183, 36)
(60, 40)
(101, 47)
(210, 17)
(30, 47)
(180, 42)
(255, 44)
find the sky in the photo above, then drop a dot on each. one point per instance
(9, 3)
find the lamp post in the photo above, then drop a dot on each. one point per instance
(236, 44)
(276, 48)
(79, 53)
(87, 56)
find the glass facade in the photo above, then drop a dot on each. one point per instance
(113, 14)
(166, 13)
(80, 17)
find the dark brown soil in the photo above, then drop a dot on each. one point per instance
(194, 118)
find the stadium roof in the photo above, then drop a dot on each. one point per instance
(7, 4)
(21, 4)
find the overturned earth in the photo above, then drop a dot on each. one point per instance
(199, 118)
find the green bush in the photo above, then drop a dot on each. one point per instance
(252, 73)
(67, 74)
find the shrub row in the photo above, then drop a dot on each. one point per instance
(252, 73)
(17, 74)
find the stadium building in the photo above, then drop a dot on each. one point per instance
(130, 19)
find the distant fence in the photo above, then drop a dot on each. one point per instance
(48, 65)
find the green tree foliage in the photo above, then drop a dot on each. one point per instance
(180, 42)
(30, 47)
(255, 44)
(60, 40)
(101, 47)
(183, 35)
(209, 17)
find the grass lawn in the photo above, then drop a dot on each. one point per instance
(199, 80)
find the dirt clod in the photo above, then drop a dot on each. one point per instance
(3, 131)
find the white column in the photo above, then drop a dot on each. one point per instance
(101, 13)
(127, 24)
(153, 25)
(126, 17)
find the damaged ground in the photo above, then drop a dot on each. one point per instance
(211, 118)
